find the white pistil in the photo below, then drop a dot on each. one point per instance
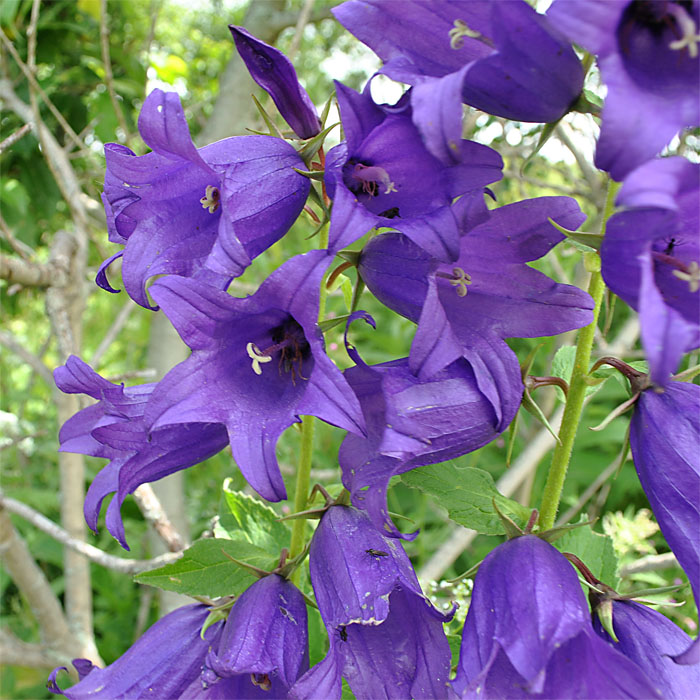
(211, 199)
(461, 280)
(692, 276)
(255, 354)
(459, 31)
(689, 33)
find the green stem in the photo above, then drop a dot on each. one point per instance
(577, 387)
(301, 492)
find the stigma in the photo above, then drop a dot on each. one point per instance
(211, 199)
(689, 32)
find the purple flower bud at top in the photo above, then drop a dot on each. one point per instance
(275, 74)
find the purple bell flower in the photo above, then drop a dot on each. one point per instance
(386, 638)
(650, 256)
(162, 664)
(114, 429)
(664, 437)
(501, 57)
(263, 647)
(528, 633)
(275, 74)
(196, 212)
(257, 364)
(490, 293)
(650, 639)
(413, 422)
(648, 58)
(382, 175)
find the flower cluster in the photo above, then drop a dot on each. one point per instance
(457, 268)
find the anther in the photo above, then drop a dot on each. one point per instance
(211, 199)
(258, 358)
(691, 275)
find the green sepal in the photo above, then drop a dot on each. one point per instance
(326, 110)
(545, 134)
(351, 256)
(311, 174)
(531, 407)
(587, 103)
(555, 533)
(317, 199)
(329, 323)
(512, 529)
(687, 375)
(604, 611)
(214, 617)
(269, 121)
(589, 240)
(661, 590)
(313, 145)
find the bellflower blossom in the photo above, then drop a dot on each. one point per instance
(257, 364)
(114, 429)
(382, 175)
(648, 58)
(275, 74)
(412, 422)
(263, 647)
(650, 256)
(664, 437)
(386, 638)
(650, 639)
(528, 633)
(501, 57)
(163, 663)
(490, 293)
(187, 211)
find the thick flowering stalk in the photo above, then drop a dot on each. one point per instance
(114, 428)
(412, 422)
(165, 663)
(275, 74)
(195, 212)
(467, 309)
(651, 255)
(386, 639)
(257, 365)
(263, 647)
(648, 58)
(382, 175)
(528, 633)
(500, 57)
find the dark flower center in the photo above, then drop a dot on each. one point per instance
(262, 680)
(289, 341)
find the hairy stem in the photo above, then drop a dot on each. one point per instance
(577, 388)
(307, 445)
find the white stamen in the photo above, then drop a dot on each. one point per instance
(255, 354)
(690, 36)
(211, 199)
(390, 187)
(461, 280)
(692, 277)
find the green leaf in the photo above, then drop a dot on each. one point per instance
(206, 571)
(563, 366)
(245, 518)
(468, 496)
(594, 550)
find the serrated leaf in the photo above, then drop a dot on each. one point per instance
(467, 494)
(594, 550)
(205, 570)
(245, 518)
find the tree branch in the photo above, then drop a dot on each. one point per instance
(94, 554)
(11, 343)
(153, 512)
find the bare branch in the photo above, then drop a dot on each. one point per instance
(27, 273)
(15, 652)
(299, 29)
(654, 562)
(11, 343)
(107, 63)
(153, 512)
(94, 554)
(113, 332)
(22, 249)
(35, 85)
(13, 138)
